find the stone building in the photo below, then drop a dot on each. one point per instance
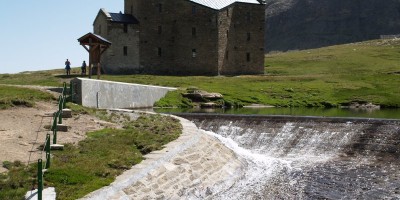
(184, 37)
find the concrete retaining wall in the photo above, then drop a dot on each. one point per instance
(108, 94)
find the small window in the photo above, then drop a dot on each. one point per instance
(125, 28)
(248, 16)
(125, 50)
(227, 33)
(159, 8)
(227, 55)
(159, 29)
(99, 29)
(194, 52)
(194, 10)
(248, 36)
(248, 57)
(227, 12)
(159, 52)
(194, 32)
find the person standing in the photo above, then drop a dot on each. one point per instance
(83, 68)
(68, 67)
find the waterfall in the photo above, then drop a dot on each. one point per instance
(309, 159)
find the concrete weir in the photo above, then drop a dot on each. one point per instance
(108, 94)
(268, 157)
(309, 157)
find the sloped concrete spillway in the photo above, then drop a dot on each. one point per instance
(309, 158)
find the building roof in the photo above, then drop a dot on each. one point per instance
(219, 4)
(123, 18)
(94, 38)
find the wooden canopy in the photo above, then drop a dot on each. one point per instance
(95, 45)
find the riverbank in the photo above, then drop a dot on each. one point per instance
(188, 166)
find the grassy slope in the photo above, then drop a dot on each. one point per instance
(16, 96)
(328, 76)
(340, 74)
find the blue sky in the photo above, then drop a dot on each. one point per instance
(41, 34)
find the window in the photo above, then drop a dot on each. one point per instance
(227, 33)
(194, 10)
(99, 29)
(227, 55)
(159, 8)
(248, 16)
(248, 57)
(194, 52)
(194, 32)
(125, 28)
(248, 36)
(159, 52)
(159, 29)
(227, 12)
(125, 50)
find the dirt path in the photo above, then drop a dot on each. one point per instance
(22, 130)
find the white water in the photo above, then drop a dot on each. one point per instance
(259, 168)
(268, 156)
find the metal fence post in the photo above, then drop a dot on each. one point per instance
(59, 117)
(54, 127)
(47, 148)
(40, 179)
(64, 102)
(71, 87)
(64, 88)
(60, 103)
(55, 136)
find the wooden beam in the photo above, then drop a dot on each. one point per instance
(84, 46)
(98, 70)
(103, 50)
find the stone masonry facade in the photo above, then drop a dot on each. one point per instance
(123, 55)
(182, 37)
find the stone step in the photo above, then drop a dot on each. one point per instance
(62, 127)
(57, 147)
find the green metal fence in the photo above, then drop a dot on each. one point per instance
(57, 119)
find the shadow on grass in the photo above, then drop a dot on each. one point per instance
(56, 89)
(71, 76)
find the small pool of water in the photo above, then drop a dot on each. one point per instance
(325, 112)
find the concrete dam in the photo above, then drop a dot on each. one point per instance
(254, 156)
(308, 157)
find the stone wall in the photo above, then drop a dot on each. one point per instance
(108, 94)
(170, 35)
(184, 38)
(241, 39)
(114, 60)
(248, 39)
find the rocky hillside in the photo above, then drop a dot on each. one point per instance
(304, 24)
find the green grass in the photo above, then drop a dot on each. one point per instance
(95, 161)
(43, 78)
(324, 77)
(15, 96)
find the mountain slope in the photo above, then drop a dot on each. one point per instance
(305, 24)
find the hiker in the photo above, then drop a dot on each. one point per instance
(83, 68)
(68, 67)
